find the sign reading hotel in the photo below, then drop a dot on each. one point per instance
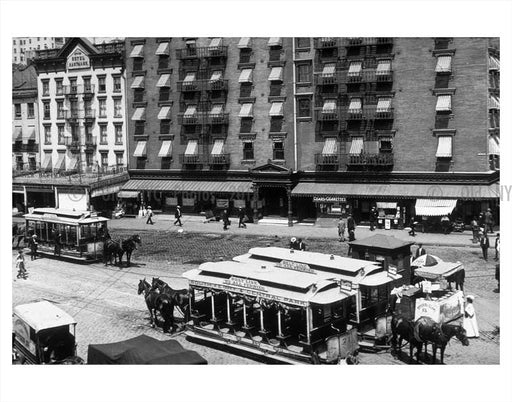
(295, 266)
(78, 60)
(244, 283)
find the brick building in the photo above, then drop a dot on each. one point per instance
(311, 128)
(24, 48)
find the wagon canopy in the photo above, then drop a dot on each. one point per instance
(142, 350)
(441, 270)
(42, 315)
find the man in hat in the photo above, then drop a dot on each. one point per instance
(301, 245)
(293, 243)
(484, 244)
(420, 251)
(33, 247)
(489, 221)
(497, 247)
(341, 228)
(241, 218)
(373, 218)
(470, 324)
(225, 220)
(20, 264)
(149, 214)
(177, 215)
(351, 227)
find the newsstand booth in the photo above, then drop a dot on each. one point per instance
(284, 313)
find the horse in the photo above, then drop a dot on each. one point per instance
(457, 277)
(18, 233)
(112, 248)
(155, 301)
(427, 330)
(127, 246)
(403, 328)
(180, 297)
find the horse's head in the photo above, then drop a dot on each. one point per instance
(142, 286)
(155, 283)
(136, 238)
(460, 334)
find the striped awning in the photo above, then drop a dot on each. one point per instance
(61, 161)
(140, 149)
(216, 110)
(138, 82)
(128, 194)
(444, 103)
(355, 105)
(444, 64)
(114, 189)
(165, 149)
(164, 81)
(191, 111)
(207, 186)
(274, 42)
(329, 70)
(276, 74)
(276, 109)
(215, 43)
(494, 102)
(330, 146)
(218, 147)
(191, 148)
(434, 207)
(246, 110)
(190, 77)
(244, 43)
(216, 76)
(384, 104)
(444, 147)
(137, 51)
(30, 134)
(17, 134)
(139, 113)
(383, 67)
(329, 106)
(163, 49)
(494, 63)
(355, 68)
(164, 113)
(357, 145)
(73, 162)
(494, 145)
(245, 75)
(47, 163)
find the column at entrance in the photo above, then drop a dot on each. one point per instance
(255, 197)
(289, 195)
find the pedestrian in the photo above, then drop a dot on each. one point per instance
(178, 215)
(20, 265)
(497, 248)
(342, 224)
(489, 221)
(149, 214)
(481, 220)
(351, 227)
(475, 229)
(293, 243)
(420, 251)
(470, 324)
(301, 245)
(241, 218)
(225, 219)
(497, 276)
(445, 224)
(484, 244)
(373, 218)
(57, 238)
(412, 224)
(33, 247)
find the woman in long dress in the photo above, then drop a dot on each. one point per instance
(470, 324)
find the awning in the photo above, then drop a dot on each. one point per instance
(164, 81)
(383, 104)
(246, 110)
(61, 161)
(355, 68)
(215, 43)
(191, 111)
(216, 110)
(330, 147)
(164, 113)
(245, 75)
(494, 63)
(218, 147)
(216, 76)
(140, 149)
(441, 270)
(329, 106)
(29, 135)
(138, 82)
(357, 146)
(139, 114)
(355, 105)
(386, 205)
(137, 51)
(165, 149)
(444, 64)
(73, 162)
(444, 103)
(276, 74)
(244, 43)
(274, 42)
(128, 194)
(444, 147)
(190, 77)
(329, 70)
(106, 190)
(47, 163)
(433, 207)
(276, 109)
(494, 145)
(163, 49)
(192, 186)
(494, 102)
(398, 190)
(191, 148)
(383, 67)
(17, 134)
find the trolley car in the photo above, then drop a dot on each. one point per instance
(81, 232)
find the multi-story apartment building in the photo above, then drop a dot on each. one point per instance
(315, 127)
(24, 49)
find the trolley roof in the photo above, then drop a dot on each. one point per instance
(43, 315)
(66, 216)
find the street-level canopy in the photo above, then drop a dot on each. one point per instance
(433, 207)
(441, 270)
(189, 185)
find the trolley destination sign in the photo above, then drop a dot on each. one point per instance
(296, 266)
(245, 283)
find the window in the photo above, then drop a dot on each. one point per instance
(46, 88)
(48, 134)
(88, 133)
(60, 110)
(119, 159)
(304, 106)
(102, 85)
(89, 159)
(104, 159)
(103, 134)
(17, 111)
(302, 43)
(165, 126)
(117, 83)
(30, 110)
(75, 133)
(73, 88)
(246, 125)
(163, 61)
(118, 133)
(442, 81)
(59, 87)
(164, 94)
(275, 89)
(46, 109)
(139, 127)
(245, 55)
(274, 54)
(87, 85)
(118, 108)
(74, 107)
(276, 125)
(138, 95)
(138, 64)
(304, 73)
(60, 134)
(141, 162)
(248, 151)
(19, 162)
(102, 103)
(441, 43)
(442, 121)
(386, 145)
(245, 90)
(278, 150)
(165, 163)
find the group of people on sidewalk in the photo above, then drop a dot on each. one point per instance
(349, 224)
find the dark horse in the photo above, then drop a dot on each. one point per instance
(428, 331)
(18, 233)
(181, 297)
(403, 328)
(117, 248)
(155, 301)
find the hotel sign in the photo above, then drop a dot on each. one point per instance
(78, 60)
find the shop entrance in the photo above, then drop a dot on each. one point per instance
(274, 201)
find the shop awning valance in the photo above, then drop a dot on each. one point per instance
(163, 49)
(106, 190)
(434, 207)
(189, 185)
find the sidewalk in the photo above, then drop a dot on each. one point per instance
(195, 224)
